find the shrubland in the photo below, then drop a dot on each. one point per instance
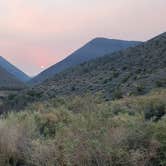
(86, 131)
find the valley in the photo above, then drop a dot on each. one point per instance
(107, 111)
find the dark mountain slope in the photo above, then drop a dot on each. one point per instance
(95, 48)
(8, 81)
(13, 70)
(132, 71)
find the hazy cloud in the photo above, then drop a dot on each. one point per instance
(35, 33)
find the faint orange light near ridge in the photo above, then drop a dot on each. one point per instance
(42, 67)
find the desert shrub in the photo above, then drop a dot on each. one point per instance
(11, 96)
(160, 136)
(117, 94)
(86, 103)
(73, 88)
(15, 140)
(126, 78)
(161, 83)
(151, 106)
(139, 89)
(49, 123)
(115, 74)
(85, 131)
(155, 111)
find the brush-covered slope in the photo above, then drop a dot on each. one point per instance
(96, 48)
(8, 81)
(132, 71)
(13, 70)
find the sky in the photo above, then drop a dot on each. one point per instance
(35, 34)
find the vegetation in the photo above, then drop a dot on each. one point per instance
(86, 131)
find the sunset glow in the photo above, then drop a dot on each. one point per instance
(35, 34)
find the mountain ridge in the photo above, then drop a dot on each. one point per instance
(12, 69)
(97, 47)
(136, 68)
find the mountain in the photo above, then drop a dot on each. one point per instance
(134, 71)
(8, 81)
(13, 70)
(96, 48)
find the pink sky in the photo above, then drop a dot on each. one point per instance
(35, 33)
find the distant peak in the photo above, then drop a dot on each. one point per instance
(97, 39)
(101, 38)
